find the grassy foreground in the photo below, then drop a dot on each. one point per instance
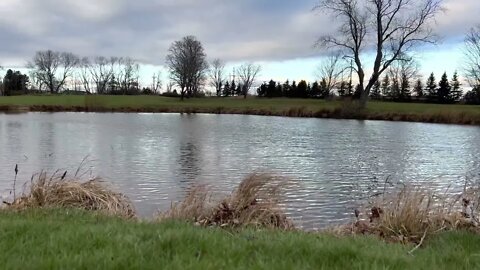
(454, 114)
(74, 239)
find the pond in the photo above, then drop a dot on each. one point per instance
(156, 158)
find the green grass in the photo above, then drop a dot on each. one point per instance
(114, 102)
(70, 239)
(462, 114)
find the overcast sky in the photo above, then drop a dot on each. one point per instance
(279, 34)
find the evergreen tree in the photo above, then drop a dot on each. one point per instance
(456, 92)
(315, 92)
(14, 81)
(233, 88)
(293, 90)
(279, 90)
(324, 92)
(386, 86)
(113, 86)
(286, 89)
(473, 96)
(301, 89)
(444, 90)
(239, 90)
(418, 89)
(431, 88)
(226, 89)
(262, 90)
(405, 93)
(272, 89)
(394, 93)
(376, 94)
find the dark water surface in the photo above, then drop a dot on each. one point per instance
(156, 158)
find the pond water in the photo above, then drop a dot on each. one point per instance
(155, 158)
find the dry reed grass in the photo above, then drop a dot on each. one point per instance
(411, 214)
(60, 191)
(256, 202)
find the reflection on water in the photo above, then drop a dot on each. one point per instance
(156, 158)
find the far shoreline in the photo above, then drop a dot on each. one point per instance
(301, 108)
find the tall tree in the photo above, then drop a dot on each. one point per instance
(302, 89)
(52, 69)
(217, 75)
(431, 88)
(14, 81)
(456, 91)
(395, 90)
(394, 27)
(405, 93)
(233, 88)
(157, 82)
(248, 73)
(472, 56)
(315, 90)
(99, 72)
(403, 72)
(418, 89)
(386, 86)
(272, 89)
(330, 71)
(324, 88)
(128, 74)
(443, 93)
(226, 89)
(186, 61)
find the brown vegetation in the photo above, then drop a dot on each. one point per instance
(58, 191)
(411, 214)
(254, 203)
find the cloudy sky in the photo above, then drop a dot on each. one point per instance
(279, 34)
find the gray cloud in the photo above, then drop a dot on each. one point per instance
(262, 30)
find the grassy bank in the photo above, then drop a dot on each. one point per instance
(434, 113)
(72, 239)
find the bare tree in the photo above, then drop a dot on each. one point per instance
(102, 72)
(217, 76)
(128, 74)
(402, 73)
(247, 74)
(393, 26)
(157, 82)
(84, 73)
(53, 68)
(187, 65)
(472, 56)
(330, 71)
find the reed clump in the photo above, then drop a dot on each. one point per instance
(256, 202)
(412, 214)
(60, 191)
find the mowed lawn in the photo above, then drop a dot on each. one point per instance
(71, 239)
